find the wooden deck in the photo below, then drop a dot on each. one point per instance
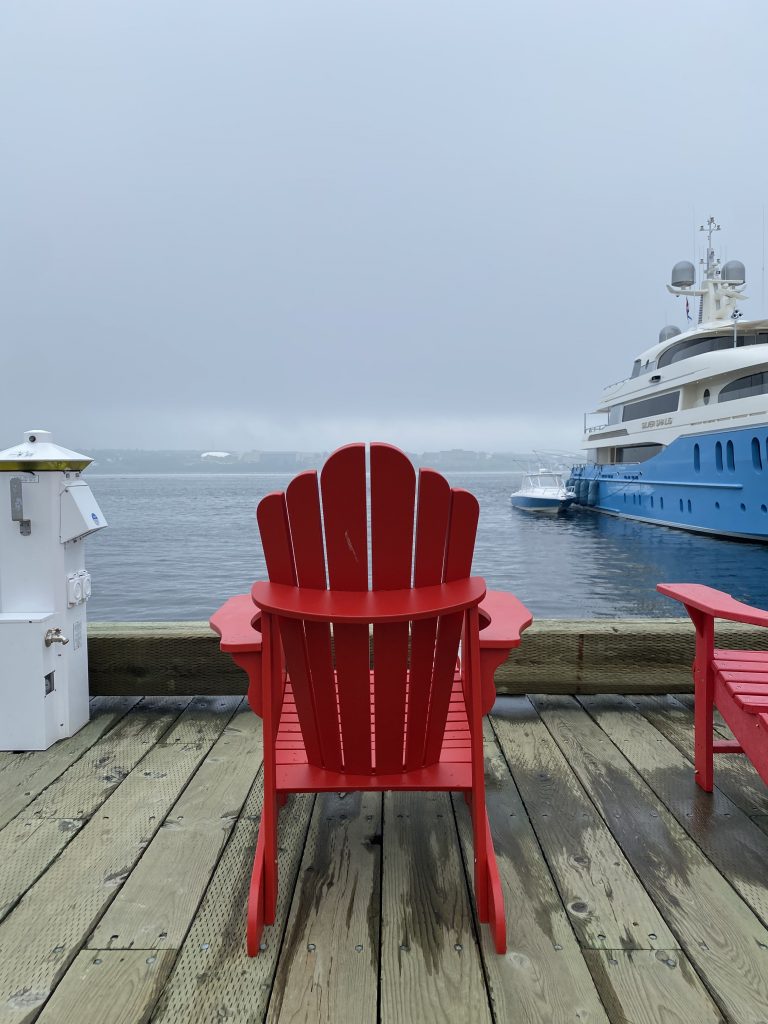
(631, 895)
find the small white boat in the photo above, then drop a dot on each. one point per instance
(542, 492)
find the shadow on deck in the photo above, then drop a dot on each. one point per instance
(631, 895)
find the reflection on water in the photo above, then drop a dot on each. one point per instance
(178, 546)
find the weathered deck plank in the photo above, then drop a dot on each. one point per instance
(28, 846)
(43, 934)
(650, 987)
(722, 937)
(383, 883)
(731, 841)
(84, 787)
(329, 962)
(431, 969)
(543, 978)
(607, 905)
(24, 776)
(36, 837)
(734, 775)
(155, 907)
(213, 979)
(109, 987)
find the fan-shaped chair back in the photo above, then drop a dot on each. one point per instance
(319, 535)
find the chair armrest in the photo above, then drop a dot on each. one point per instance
(237, 623)
(713, 602)
(377, 606)
(502, 619)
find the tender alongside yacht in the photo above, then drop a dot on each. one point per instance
(684, 440)
(544, 491)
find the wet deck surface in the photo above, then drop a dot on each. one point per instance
(125, 854)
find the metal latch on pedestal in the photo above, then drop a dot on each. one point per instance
(17, 507)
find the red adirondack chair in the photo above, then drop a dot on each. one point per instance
(735, 682)
(413, 721)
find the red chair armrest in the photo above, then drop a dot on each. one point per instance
(502, 619)
(713, 602)
(353, 606)
(237, 623)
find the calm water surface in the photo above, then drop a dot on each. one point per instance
(178, 546)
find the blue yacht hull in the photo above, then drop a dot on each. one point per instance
(708, 483)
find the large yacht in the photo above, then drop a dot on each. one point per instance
(683, 441)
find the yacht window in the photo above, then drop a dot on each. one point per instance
(757, 458)
(744, 387)
(636, 368)
(719, 457)
(706, 396)
(752, 339)
(638, 452)
(729, 456)
(697, 458)
(694, 347)
(614, 416)
(651, 406)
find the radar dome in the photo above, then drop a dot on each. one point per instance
(668, 332)
(734, 271)
(683, 274)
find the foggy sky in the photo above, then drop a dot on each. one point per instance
(235, 225)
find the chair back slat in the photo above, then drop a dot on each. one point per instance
(446, 653)
(393, 495)
(432, 515)
(272, 516)
(462, 528)
(303, 501)
(342, 482)
(352, 653)
(343, 487)
(317, 536)
(432, 518)
(302, 498)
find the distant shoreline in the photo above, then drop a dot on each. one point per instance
(119, 462)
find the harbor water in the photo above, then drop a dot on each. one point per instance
(179, 545)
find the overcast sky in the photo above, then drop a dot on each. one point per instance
(235, 225)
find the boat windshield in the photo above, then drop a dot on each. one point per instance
(545, 480)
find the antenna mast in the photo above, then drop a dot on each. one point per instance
(712, 265)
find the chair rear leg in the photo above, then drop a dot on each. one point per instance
(262, 896)
(703, 716)
(269, 823)
(255, 921)
(489, 897)
(496, 916)
(480, 847)
(703, 722)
